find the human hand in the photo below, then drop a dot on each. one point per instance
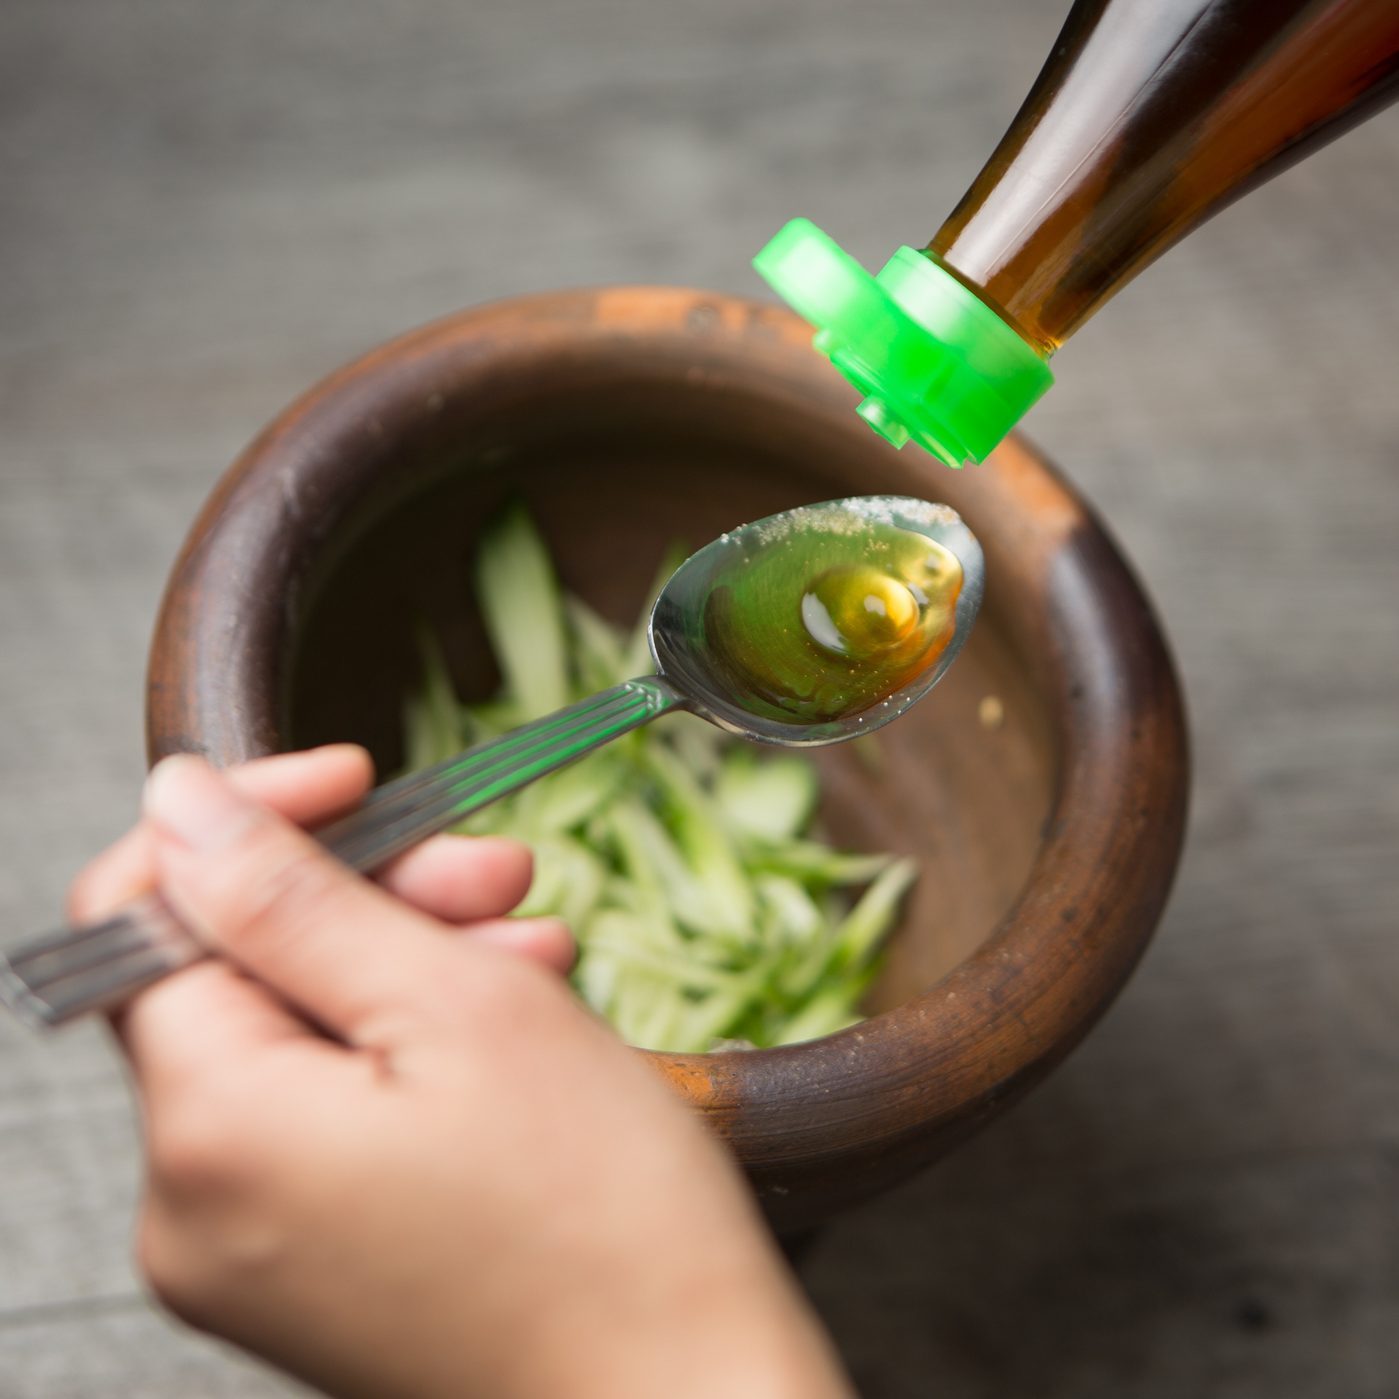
(401, 1162)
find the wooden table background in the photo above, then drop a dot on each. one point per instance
(206, 205)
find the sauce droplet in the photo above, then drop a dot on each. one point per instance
(858, 610)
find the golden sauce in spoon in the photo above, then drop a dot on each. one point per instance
(823, 622)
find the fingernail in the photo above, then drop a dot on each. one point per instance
(189, 800)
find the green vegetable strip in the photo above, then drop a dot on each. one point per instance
(523, 612)
(707, 848)
(770, 799)
(433, 722)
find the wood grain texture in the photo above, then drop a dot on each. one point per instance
(206, 207)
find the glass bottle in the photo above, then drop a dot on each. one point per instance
(1148, 117)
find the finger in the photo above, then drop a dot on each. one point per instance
(305, 787)
(547, 941)
(462, 878)
(269, 897)
(123, 870)
(210, 1016)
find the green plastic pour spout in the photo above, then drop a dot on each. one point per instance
(936, 365)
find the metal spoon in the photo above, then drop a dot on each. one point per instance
(55, 978)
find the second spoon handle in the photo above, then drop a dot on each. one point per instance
(54, 978)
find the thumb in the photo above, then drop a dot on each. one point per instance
(267, 896)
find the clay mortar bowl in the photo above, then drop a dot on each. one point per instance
(1042, 785)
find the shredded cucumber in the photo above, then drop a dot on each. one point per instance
(708, 911)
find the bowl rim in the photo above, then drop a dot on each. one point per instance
(810, 1116)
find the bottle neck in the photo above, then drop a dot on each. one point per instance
(1150, 116)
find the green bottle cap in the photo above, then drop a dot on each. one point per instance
(936, 364)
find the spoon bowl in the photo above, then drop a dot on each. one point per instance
(682, 632)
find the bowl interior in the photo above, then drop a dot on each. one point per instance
(964, 781)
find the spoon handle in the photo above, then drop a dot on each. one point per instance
(56, 977)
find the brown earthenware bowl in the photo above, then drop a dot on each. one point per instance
(1042, 785)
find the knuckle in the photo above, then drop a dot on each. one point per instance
(212, 1222)
(191, 1151)
(171, 1266)
(210, 1227)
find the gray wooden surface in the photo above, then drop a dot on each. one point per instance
(206, 205)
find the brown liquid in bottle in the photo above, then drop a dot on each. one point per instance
(1149, 116)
